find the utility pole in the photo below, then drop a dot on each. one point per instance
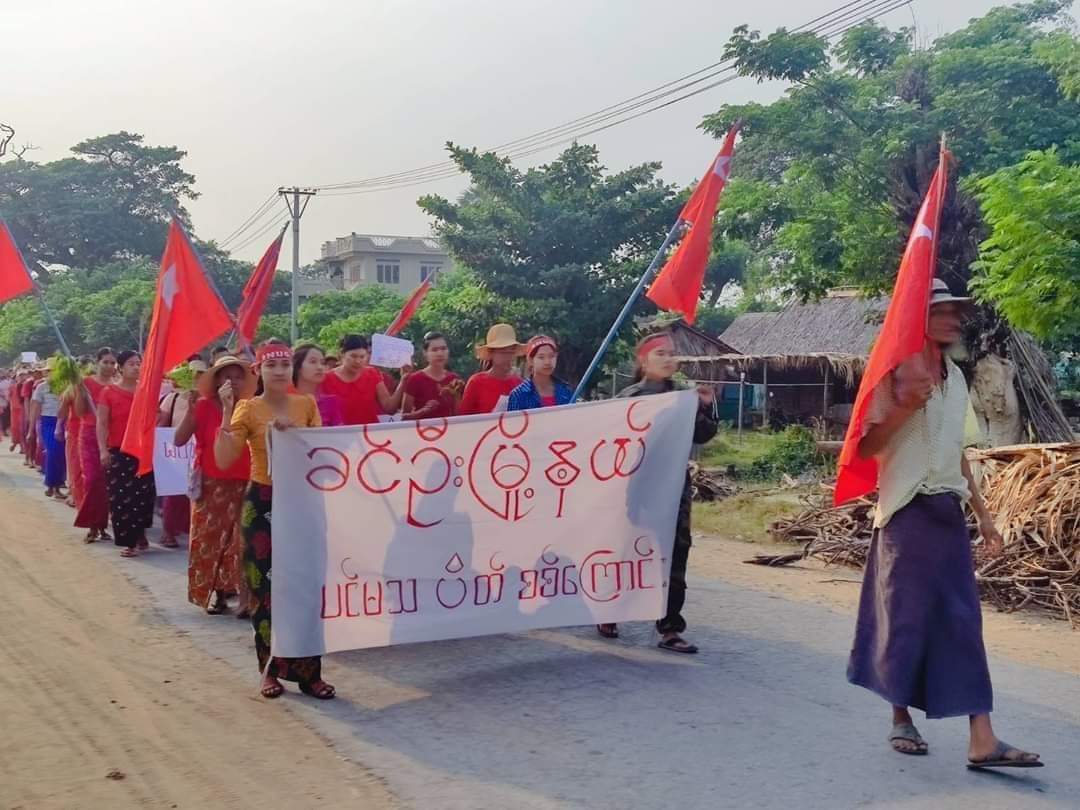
(296, 210)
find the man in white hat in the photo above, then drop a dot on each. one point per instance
(918, 639)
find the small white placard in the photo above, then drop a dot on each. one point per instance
(29, 357)
(390, 352)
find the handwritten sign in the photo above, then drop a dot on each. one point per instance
(417, 531)
(390, 352)
(172, 464)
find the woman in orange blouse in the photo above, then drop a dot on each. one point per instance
(245, 423)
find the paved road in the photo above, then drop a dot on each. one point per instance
(761, 719)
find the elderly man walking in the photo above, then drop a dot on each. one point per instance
(918, 639)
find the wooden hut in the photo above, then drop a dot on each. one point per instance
(806, 359)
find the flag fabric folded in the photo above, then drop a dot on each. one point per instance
(257, 293)
(15, 278)
(677, 288)
(409, 309)
(188, 314)
(903, 334)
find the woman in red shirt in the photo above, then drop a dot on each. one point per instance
(433, 392)
(498, 379)
(93, 514)
(359, 386)
(131, 496)
(215, 545)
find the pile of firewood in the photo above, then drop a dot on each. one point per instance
(710, 485)
(1034, 494)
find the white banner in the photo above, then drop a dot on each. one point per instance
(390, 352)
(172, 464)
(489, 524)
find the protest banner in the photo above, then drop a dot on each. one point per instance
(172, 464)
(498, 523)
(390, 352)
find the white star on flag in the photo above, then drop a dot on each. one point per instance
(169, 287)
(722, 167)
(922, 231)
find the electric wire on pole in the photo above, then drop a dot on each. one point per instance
(296, 210)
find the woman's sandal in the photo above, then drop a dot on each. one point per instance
(677, 644)
(217, 604)
(129, 552)
(999, 758)
(272, 690)
(906, 732)
(169, 542)
(320, 690)
(142, 544)
(608, 630)
(90, 538)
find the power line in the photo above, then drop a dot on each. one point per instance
(263, 206)
(834, 23)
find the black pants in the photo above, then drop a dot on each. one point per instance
(673, 621)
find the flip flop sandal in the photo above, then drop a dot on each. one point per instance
(998, 759)
(272, 691)
(320, 690)
(608, 630)
(908, 733)
(170, 542)
(89, 539)
(679, 645)
(142, 544)
(129, 552)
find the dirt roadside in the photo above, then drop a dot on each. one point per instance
(1024, 637)
(94, 683)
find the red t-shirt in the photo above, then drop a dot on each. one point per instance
(207, 421)
(359, 400)
(119, 403)
(94, 388)
(482, 392)
(548, 402)
(423, 389)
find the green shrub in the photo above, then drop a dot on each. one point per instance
(794, 452)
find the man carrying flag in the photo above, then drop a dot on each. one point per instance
(918, 638)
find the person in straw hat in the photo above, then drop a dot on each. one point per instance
(174, 407)
(918, 637)
(497, 354)
(217, 493)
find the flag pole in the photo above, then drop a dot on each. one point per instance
(40, 293)
(673, 236)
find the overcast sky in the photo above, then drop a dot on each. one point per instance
(270, 93)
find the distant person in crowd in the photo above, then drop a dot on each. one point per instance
(174, 406)
(68, 431)
(918, 638)
(215, 546)
(541, 389)
(15, 406)
(93, 514)
(309, 373)
(434, 391)
(497, 355)
(45, 407)
(131, 496)
(655, 370)
(218, 352)
(30, 427)
(359, 386)
(332, 362)
(245, 423)
(5, 409)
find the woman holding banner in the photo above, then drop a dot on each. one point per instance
(215, 547)
(309, 373)
(246, 423)
(434, 391)
(131, 496)
(656, 367)
(93, 512)
(498, 379)
(360, 386)
(541, 389)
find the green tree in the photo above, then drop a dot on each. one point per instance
(1030, 264)
(113, 199)
(559, 246)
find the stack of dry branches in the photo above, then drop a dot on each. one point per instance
(1033, 492)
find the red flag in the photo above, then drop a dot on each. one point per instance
(902, 335)
(678, 286)
(257, 293)
(407, 311)
(15, 278)
(188, 314)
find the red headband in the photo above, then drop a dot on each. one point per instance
(651, 344)
(273, 351)
(539, 342)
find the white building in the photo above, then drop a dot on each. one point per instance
(398, 262)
